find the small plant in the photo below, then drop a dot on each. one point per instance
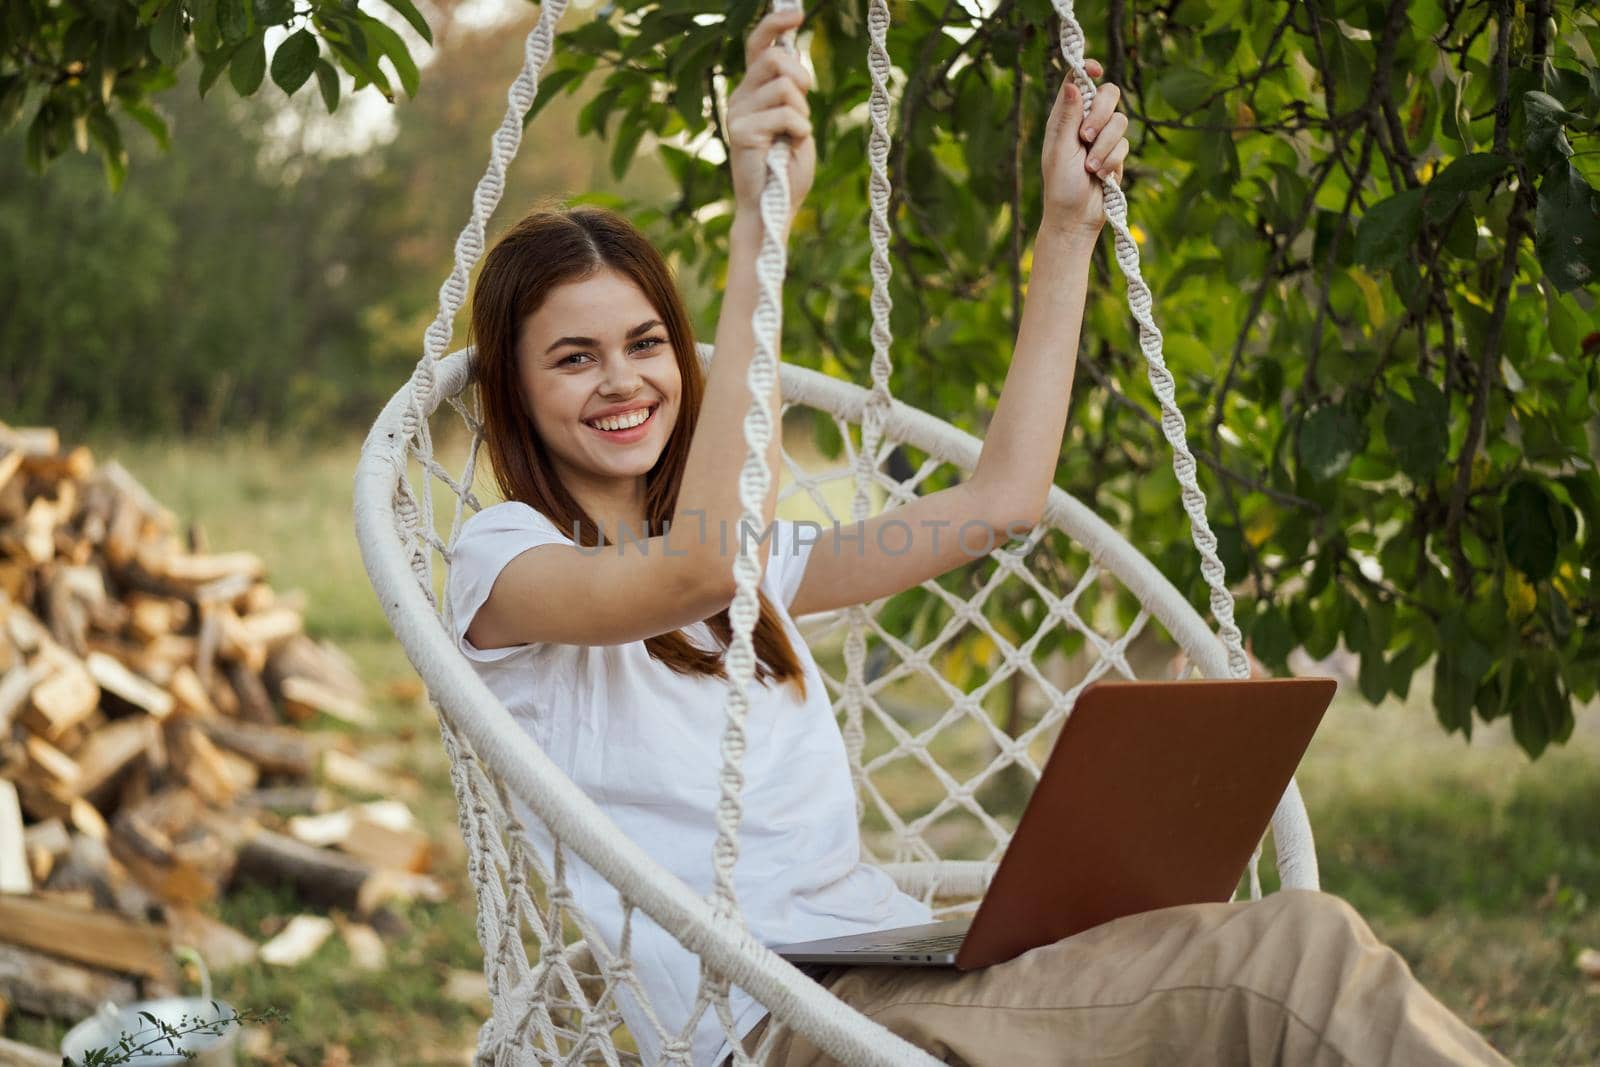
(142, 1043)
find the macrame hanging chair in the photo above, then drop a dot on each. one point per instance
(560, 989)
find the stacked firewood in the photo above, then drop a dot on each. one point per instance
(149, 757)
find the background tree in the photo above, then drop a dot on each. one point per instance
(71, 70)
(274, 269)
(1374, 235)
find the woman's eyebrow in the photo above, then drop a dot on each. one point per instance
(643, 327)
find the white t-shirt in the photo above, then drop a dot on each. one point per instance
(644, 743)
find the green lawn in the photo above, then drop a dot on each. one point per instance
(1481, 869)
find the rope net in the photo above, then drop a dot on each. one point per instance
(948, 704)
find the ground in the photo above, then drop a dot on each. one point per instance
(1481, 869)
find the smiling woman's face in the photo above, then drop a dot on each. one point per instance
(594, 360)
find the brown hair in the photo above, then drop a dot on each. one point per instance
(553, 246)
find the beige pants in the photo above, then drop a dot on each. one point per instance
(1295, 978)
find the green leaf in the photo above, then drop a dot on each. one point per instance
(1465, 175)
(294, 61)
(1185, 88)
(273, 12)
(629, 131)
(167, 35)
(549, 85)
(1329, 439)
(249, 65)
(1389, 229)
(1567, 228)
(409, 12)
(1419, 430)
(1532, 527)
(151, 120)
(392, 45)
(13, 94)
(233, 21)
(1546, 140)
(213, 64)
(328, 83)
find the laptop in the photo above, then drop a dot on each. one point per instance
(1155, 795)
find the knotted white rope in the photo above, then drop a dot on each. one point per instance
(755, 481)
(1173, 426)
(878, 402)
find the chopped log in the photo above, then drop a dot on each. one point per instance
(126, 487)
(95, 938)
(274, 749)
(39, 529)
(268, 629)
(224, 591)
(238, 645)
(16, 580)
(16, 876)
(355, 775)
(10, 464)
(286, 800)
(89, 867)
(220, 945)
(150, 617)
(50, 835)
(110, 750)
(207, 641)
(317, 875)
(254, 703)
(30, 441)
(113, 677)
(63, 699)
(303, 698)
(324, 830)
(25, 630)
(199, 570)
(70, 467)
(367, 951)
(174, 848)
(298, 941)
(55, 769)
(386, 847)
(171, 650)
(190, 694)
(301, 657)
(121, 543)
(216, 775)
(68, 899)
(328, 878)
(65, 612)
(14, 689)
(44, 985)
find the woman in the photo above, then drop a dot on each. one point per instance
(620, 466)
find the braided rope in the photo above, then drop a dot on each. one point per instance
(1173, 426)
(877, 409)
(755, 480)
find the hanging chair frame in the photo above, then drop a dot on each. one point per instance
(480, 735)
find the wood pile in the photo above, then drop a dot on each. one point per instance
(150, 758)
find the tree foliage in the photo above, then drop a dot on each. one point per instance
(71, 69)
(262, 273)
(1373, 233)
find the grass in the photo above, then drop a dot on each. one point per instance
(1481, 869)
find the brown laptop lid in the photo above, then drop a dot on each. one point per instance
(1154, 796)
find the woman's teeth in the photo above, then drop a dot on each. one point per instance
(622, 422)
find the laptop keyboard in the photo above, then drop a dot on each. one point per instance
(942, 943)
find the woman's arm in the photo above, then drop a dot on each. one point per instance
(1006, 494)
(708, 500)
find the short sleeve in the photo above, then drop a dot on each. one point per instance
(487, 542)
(792, 543)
